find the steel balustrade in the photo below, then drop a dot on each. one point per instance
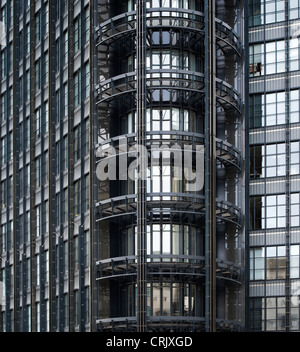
(170, 18)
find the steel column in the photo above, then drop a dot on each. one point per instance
(210, 166)
(287, 175)
(141, 182)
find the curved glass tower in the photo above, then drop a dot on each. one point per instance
(169, 165)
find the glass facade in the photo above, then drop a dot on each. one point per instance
(70, 243)
(46, 226)
(274, 232)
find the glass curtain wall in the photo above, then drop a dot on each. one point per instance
(274, 165)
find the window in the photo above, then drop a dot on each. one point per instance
(294, 261)
(46, 266)
(66, 310)
(4, 238)
(86, 204)
(57, 159)
(3, 150)
(57, 106)
(86, 249)
(295, 209)
(10, 151)
(10, 101)
(275, 57)
(270, 263)
(38, 317)
(28, 273)
(76, 308)
(86, 25)
(167, 240)
(2, 107)
(46, 217)
(65, 152)
(27, 132)
(76, 253)
(46, 67)
(269, 109)
(66, 258)
(3, 62)
(77, 34)
(65, 205)
(257, 264)
(268, 58)
(267, 160)
(46, 117)
(266, 11)
(27, 87)
(27, 44)
(87, 305)
(294, 106)
(77, 198)
(173, 119)
(294, 54)
(65, 103)
(295, 158)
(27, 226)
(275, 262)
(38, 221)
(256, 59)
(267, 212)
(37, 27)
(77, 89)
(77, 143)
(46, 19)
(37, 75)
(57, 210)
(164, 298)
(86, 89)
(170, 60)
(294, 7)
(86, 147)
(38, 166)
(65, 48)
(37, 272)
(185, 4)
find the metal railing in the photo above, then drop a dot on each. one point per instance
(170, 18)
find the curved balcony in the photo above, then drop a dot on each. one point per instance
(183, 80)
(166, 203)
(165, 323)
(166, 265)
(226, 153)
(168, 18)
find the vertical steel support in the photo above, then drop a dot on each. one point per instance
(51, 191)
(71, 166)
(15, 239)
(247, 173)
(210, 166)
(32, 170)
(141, 181)
(93, 119)
(287, 176)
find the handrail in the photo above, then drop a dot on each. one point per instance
(177, 79)
(191, 203)
(167, 16)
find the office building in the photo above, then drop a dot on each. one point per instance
(274, 185)
(89, 91)
(46, 158)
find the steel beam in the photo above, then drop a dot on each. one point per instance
(141, 188)
(210, 166)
